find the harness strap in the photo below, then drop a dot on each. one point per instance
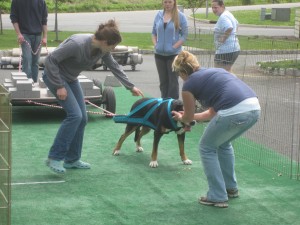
(174, 125)
(148, 114)
(144, 120)
(142, 105)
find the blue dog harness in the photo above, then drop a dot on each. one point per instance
(144, 121)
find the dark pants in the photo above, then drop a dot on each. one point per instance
(226, 58)
(169, 86)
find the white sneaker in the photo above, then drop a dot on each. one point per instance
(35, 84)
(55, 166)
(30, 79)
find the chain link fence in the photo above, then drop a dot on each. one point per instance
(5, 157)
(274, 141)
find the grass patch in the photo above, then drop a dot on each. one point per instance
(8, 40)
(205, 41)
(252, 17)
(285, 64)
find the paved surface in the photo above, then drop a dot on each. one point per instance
(145, 76)
(141, 21)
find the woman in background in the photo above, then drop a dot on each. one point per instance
(170, 31)
(225, 37)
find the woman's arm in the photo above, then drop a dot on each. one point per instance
(119, 73)
(205, 116)
(154, 39)
(187, 116)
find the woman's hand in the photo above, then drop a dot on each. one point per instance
(136, 92)
(61, 93)
(177, 115)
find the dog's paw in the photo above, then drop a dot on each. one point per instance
(187, 162)
(116, 152)
(153, 164)
(139, 149)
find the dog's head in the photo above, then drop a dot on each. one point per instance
(177, 105)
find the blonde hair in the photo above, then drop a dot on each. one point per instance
(185, 62)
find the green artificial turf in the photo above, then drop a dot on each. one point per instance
(124, 190)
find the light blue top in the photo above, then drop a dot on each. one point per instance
(168, 36)
(226, 21)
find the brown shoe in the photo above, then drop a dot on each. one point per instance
(205, 201)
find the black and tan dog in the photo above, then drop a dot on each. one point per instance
(156, 114)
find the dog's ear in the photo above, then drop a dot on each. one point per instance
(177, 105)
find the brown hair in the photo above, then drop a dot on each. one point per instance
(109, 32)
(219, 2)
(175, 16)
(185, 62)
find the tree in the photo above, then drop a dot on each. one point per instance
(1, 28)
(56, 20)
(194, 5)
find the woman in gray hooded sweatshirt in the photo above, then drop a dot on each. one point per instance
(62, 67)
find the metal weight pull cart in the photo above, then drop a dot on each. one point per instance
(24, 93)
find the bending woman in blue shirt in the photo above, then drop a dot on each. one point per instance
(233, 108)
(169, 32)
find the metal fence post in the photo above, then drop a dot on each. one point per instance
(1, 28)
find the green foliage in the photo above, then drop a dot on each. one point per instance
(70, 6)
(280, 64)
(5, 5)
(246, 2)
(194, 3)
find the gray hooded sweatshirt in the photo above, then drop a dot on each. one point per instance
(73, 56)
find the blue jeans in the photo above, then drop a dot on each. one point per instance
(30, 62)
(68, 142)
(217, 153)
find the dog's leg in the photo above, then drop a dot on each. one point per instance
(138, 137)
(181, 139)
(157, 136)
(129, 130)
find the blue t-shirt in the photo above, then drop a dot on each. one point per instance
(217, 88)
